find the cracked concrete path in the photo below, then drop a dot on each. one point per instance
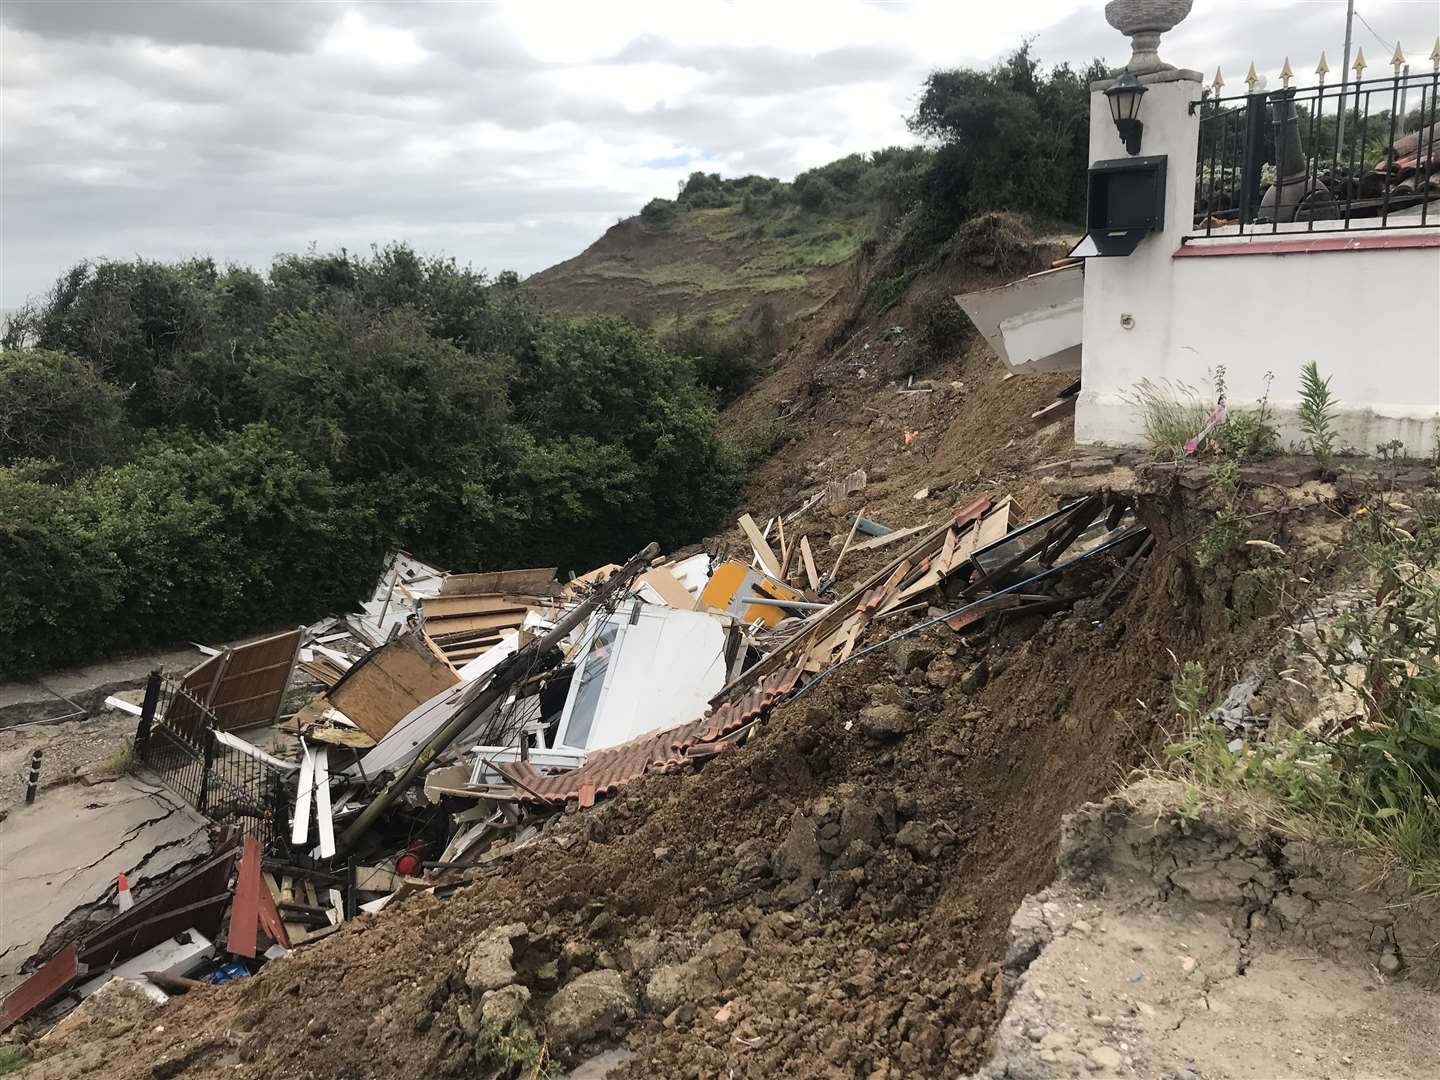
(63, 853)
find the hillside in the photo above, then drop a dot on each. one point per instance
(733, 249)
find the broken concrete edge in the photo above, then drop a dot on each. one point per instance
(1149, 846)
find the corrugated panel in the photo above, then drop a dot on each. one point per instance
(606, 770)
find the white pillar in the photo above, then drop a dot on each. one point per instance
(1129, 300)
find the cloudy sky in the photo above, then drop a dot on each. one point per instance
(506, 134)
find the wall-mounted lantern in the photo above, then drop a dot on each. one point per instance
(1125, 98)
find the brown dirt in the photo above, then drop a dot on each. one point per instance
(891, 964)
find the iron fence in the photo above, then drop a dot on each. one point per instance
(1358, 156)
(176, 739)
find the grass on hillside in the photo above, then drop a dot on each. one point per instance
(735, 252)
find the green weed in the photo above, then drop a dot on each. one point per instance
(518, 1051)
(1317, 413)
(1370, 782)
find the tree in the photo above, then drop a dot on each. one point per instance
(1011, 138)
(56, 407)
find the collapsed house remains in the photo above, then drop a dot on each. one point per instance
(437, 730)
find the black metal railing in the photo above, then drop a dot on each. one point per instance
(1360, 156)
(176, 739)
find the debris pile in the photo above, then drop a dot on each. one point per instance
(409, 747)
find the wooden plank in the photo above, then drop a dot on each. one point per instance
(58, 973)
(792, 649)
(808, 558)
(379, 879)
(668, 586)
(834, 570)
(540, 581)
(888, 538)
(300, 823)
(323, 813)
(269, 915)
(390, 682)
(245, 912)
(763, 550)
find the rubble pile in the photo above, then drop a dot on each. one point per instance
(469, 726)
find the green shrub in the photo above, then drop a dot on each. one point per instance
(726, 361)
(195, 539)
(56, 407)
(941, 329)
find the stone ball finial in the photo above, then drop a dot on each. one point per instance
(1143, 21)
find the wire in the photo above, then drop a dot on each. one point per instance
(800, 692)
(1384, 44)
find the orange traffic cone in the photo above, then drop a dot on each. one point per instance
(122, 897)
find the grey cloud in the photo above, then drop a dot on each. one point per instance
(240, 24)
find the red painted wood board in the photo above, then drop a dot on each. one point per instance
(60, 971)
(245, 912)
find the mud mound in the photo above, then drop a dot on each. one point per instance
(830, 900)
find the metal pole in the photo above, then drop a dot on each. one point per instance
(34, 784)
(481, 697)
(147, 713)
(1344, 77)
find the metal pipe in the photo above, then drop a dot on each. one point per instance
(34, 783)
(796, 605)
(481, 696)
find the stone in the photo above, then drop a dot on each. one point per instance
(859, 821)
(941, 672)
(1106, 1057)
(1187, 964)
(726, 950)
(675, 984)
(799, 856)
(974, 679)
(641, 953)
(593, 1004)
(499, 1008)
(909, 655)
(885, 722)
(914, 837)
(752, 860)
(492, 958)
(1389, 962)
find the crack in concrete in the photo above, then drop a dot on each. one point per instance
(130, 835)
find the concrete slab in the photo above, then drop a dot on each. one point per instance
(59, 858)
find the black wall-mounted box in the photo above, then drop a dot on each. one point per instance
(1125, 200)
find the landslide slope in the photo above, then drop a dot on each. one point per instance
(716, 265)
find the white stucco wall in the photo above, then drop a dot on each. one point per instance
(1370, 318)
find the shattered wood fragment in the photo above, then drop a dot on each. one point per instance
(763, 551)
(808, 558)
(850, 539)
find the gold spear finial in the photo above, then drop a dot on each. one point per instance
(1323, 68)
(1398, 60)
(1359, 64)
(1251, 78)
(1286, 74)
(1219, 83)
